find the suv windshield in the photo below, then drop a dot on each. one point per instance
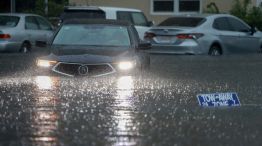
(9, 21)
(183, 21)
(98, 35)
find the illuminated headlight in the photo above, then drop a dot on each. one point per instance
(45, 63)
(127, 65)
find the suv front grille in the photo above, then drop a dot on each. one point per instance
(72, 69)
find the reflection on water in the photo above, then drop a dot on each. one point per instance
(125, 86)
(45, 139)
(51, 111)
(44, 82)
(44, 117)
(43, 128)
(124, 113)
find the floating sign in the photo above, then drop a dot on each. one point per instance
(218, 99)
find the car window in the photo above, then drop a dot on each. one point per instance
(31, 23)
(139, 19)
(9, 21)
(43, 24)
(125, 16)
(238, 25)
(222, 24)
(183, 21)
(92, 35)
(136, 18)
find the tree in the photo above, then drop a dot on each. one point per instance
(241, 8)
(251, 15)
(254, 17)
(55, 7)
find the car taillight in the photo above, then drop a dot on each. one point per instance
(149, 35)
(189, 36)
(5, 36)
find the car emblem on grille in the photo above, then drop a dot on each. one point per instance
(83, 70)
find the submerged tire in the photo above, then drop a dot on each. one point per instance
(25, 48)
(215, 50)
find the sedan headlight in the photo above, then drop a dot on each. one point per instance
(126, 65)
(45, 63)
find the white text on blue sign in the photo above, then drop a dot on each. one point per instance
(218, 99)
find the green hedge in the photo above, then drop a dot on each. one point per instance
(242, 9)
(245, 11)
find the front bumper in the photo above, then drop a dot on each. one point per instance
(84, 70)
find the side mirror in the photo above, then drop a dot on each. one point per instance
(144, 46)
(253, 30)
(150, 23)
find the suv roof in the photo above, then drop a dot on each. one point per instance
(100, 8)
(97, 21)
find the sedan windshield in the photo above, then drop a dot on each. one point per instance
(92, 35)
(182, 21)
(9, 21)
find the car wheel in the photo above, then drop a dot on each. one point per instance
(215, 50)
(25, 48)
(260, 50)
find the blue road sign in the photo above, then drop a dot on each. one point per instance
(218, 99)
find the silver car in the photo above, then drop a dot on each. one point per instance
(20, 32)
(214, 34)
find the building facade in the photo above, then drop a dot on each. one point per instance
(157, 10)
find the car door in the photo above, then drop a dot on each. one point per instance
(247, 42)
(32, 29)
(45, 30)
(228, 38)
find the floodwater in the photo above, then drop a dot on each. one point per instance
(157, 108)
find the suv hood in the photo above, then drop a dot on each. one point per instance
(90, 55)
(90, 50)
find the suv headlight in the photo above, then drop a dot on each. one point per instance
(126, 65)
(45, 63)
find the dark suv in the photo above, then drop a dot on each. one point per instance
(95, 48)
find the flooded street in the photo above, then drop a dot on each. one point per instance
(154, 108)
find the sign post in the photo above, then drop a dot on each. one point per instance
(46, 7)
(12, 8)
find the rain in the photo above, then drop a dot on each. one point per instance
(157, 107)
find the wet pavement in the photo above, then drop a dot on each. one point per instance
(154, 108)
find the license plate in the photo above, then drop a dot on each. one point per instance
(164, 39)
